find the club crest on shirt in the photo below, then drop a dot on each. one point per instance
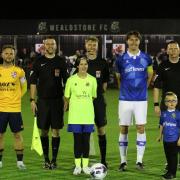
(87, 84)
(173, 115)
(98, 74)
(56, 72)
(14, 74)
(75, 84)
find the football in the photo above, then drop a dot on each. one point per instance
(98, 171)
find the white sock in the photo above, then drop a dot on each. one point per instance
(140, 144)
(123, 146)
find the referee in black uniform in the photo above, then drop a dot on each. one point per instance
(98, 68)
(48, 77)
(167, 78)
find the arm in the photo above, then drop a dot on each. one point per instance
(160, 133)
(157, 109)
(66, 104)
(23, 83)
(33, 91)
(150, 74)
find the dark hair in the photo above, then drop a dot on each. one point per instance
(172, 42)
(134, 33)
(92, 38)
(8, 46)
(78, 60)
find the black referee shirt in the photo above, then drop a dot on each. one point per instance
(168, 77)
(100, 70)
(49, 74)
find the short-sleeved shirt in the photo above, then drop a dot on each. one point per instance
(99, 69)
(133, 74)
(167, 78)
(50, 75)
(81, 93)
(10, 88)
(170, 120)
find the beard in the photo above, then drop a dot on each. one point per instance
(8, 62)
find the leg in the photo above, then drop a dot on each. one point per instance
(102, 144)
(85, 150)
(77, 152)
(123, 145)
(141, 142)
(55, 146)
(45, 146)
(1, 147)
(18, 146)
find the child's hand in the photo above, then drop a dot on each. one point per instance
(178, 143)
(159, 138)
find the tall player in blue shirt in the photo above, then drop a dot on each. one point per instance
(135, 72)
(169, 129)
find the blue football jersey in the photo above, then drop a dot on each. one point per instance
(171, 125)
(133, 74)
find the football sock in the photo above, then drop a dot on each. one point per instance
(85, 162)
(19, 155)
(77, 162)
(45, 147)
(1, 151)
(102, 146)
(140, 144)
(123, 146)
(55, 147)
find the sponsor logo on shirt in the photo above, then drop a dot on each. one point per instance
(169, 124)
(43, 64)
(166, 69)
(14, 74)
(133, 69)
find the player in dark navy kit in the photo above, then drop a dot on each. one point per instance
(98, 68)
(135, 71)
(169, 130)
(167, 79)
(47, 75)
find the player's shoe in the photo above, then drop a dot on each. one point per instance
(47, 165)
(77, 170)
(168, 176)
(140, 166)
(53, 165)
(123, 166)
(105, 164)
(86, 170)
(1, 164)
(21, 165)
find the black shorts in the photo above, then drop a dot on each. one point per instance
(14, 119)
(100, 111)
(50, 113)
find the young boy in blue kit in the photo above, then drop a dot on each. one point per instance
(169, 130)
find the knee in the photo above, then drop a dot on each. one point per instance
(1, 136)
(17, 136)
(140, 129)
(101, 131)
(124, 129)
(55, 133)
(44, 133)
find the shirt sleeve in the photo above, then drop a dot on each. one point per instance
(64, 71)
(106, 72)
(94, 89)
(34, 73)
(158, 77)
(117, 64)
(22, 76)
(161, 120)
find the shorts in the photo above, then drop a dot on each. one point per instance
(14, 119)
(80, 128)
(129, 109)
(50, 113)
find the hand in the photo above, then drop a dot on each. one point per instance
(33, 107)
(66, 106)
(178, 143)
(157, 110)
(159, 138)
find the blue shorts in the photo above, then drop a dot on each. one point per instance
(14, 119)
(80, 128)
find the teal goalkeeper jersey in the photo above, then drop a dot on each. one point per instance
(81, 93)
